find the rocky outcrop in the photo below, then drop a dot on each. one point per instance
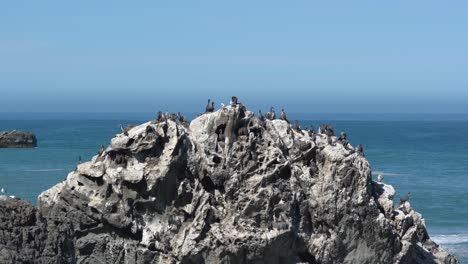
(17, 139)
(226, 188)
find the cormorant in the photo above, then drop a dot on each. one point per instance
(212, 108)
(271, 115)
(296, 126)
(181, 117)
(283, 115)
(311, 130)
(208, 106)
(359, 149)
(260, 116)
(405, 198)
(159, 118)
(234, 101)
(343, 139)
(101, 150)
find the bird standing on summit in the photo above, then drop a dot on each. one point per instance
(260, 116)
(283, 115)
(271, 115)
(234, 101)
(208, 106)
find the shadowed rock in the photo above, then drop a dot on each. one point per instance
(17, 139)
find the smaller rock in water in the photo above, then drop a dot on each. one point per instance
(17, 139)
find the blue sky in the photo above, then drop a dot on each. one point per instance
(308, 56)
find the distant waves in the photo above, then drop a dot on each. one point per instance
(44, 170)
(385, 173)
(454, 243)
(450, 239)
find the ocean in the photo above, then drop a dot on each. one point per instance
(424, 154)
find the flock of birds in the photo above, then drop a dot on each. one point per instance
(270, 115)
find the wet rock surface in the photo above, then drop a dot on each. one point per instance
(226, 188)
(17, 139)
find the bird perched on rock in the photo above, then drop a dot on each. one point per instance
(283, 115)
(208, 106)
(79, 160)
(181, 117)
(343, 136)
(379, 178)
(212, 108)
(359, 149)
(405, 198)
(159, 116)
(124, 130)
(271, 115)
(327, 130)
(311, 131)
(260, 116)
(101, 150)
(234, 101)
(343, 139)
(296, 126)
(2, 190)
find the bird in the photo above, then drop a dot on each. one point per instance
(159, 116)
(343, 136)
(101, 150)
(271, 115)
(283, 115)
(379, 178)
(79, 159)
(208, 106)
(211, 108)
(2, 190)
(405, 198)
(296, 126)
(124, 131)
(234, 101)
(360, 149)
(260, 116)
(181, 117)
(222, 106)
(311, 130)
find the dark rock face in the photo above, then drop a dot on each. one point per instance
(17, 139)
(228, 188)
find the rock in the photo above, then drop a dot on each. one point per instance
(17, 139)
(224, 189)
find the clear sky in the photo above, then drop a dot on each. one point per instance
(308, 56)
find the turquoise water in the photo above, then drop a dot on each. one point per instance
(428, 158)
